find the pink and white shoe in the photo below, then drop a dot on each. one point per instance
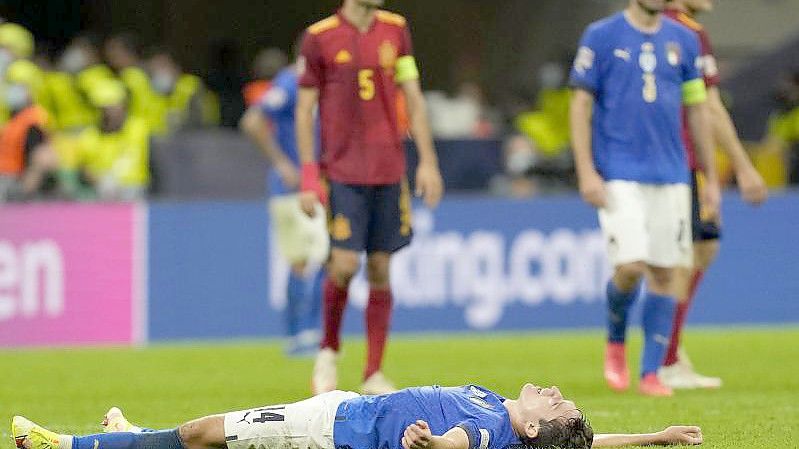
(617, 375)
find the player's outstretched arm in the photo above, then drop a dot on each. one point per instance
(311, 190)
(750, 183)
(419, 436)
(671, 436)
(698, 117)
(591, 184)
(429, 184)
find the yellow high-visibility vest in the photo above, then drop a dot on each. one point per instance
(123, 155)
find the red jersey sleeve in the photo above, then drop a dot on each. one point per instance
(407, 43)
(710, 67)
(310, 65)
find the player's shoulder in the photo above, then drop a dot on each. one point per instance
(688, 21)
(675, 26)
(326, 24)
(391, 18)
(606, 24)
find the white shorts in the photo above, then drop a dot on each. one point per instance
(299, 238)
(306, 424)
(648, 223)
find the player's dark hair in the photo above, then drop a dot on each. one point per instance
(572, 433)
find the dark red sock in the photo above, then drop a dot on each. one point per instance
(378, 319)
(679, 319)
(335, 300)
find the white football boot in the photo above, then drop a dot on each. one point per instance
(325, 376)
(681, 375)
(377, 383)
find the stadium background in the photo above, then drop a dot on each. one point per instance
(193, 260)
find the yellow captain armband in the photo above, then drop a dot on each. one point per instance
(406, 69)
(694, 92)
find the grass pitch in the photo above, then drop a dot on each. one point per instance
(161, 386)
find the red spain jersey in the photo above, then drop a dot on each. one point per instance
(355, 75)
(710, 71)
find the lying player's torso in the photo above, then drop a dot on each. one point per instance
(378, 422)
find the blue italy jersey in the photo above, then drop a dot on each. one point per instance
(378, 422)
(637, 80)
(278, 105)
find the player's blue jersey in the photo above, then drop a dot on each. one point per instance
(278, 105)
(637, 81)
(378, 422)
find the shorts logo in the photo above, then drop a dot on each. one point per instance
(343, 57)
(340, 228)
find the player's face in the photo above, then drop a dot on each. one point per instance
(652, 6)
(699, 5)
(536, 404)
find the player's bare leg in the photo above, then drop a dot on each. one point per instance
(343, 266)
(677, 371)
(203, 433)
(378, 320)
(621, 293)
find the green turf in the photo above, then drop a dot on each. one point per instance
(69, 390)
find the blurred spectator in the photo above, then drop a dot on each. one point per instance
(15, 43)
(78, 69)
(465, 115)
(267, 64)
(520, 159)
(783, 131)
(27, 160)
(226, 80)
(548, 123)
(113, 158)
(179, 99)
(123, 54)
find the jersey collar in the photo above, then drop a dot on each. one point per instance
(346, 21)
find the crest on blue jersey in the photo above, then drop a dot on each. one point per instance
(647, 59)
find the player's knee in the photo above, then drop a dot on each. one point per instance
(627, 276)
(344, 267)
(662, 281)
(705, 253)
(298, 268)
(203, 433)
(378, 271)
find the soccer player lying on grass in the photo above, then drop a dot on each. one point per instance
(467, 417)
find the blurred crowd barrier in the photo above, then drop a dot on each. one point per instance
(210, 270)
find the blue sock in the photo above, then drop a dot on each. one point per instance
(312, 314)
(658, 319)
(295, 297)
(168, 439)
(618, 307)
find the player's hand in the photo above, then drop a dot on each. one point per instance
(677, 435)
(311, 190)
(752, 186)
(288, 174)
(429, 184)
(710, 201)
(417, 436)
(592, 189)
(308, 202)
